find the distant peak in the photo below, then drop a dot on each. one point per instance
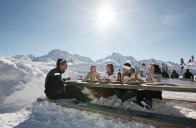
(56, 50)
(116, 54)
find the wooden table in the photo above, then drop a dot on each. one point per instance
(164, 87)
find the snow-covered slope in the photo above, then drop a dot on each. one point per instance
(25, 57)
(21, 81)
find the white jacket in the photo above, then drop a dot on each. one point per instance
(112, 77)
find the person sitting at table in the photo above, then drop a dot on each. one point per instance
(144, 97)
(188, 74)
(174, 74)
(109, 74)
(93, 75)
(129, 74)
(55, 86)
(165, 74)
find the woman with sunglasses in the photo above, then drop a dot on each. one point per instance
(109, 74)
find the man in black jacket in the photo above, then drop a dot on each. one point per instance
(54, 84)
(174, 74)
(188, 74)
(165, 74)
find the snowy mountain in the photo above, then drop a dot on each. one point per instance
(117, 59)
(56, 53)
(83, 59)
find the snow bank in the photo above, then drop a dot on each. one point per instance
(10, 120)
(21, 94)
(50, 115)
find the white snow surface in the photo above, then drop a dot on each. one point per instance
(22, 81)
(167, 107)
(50, 115)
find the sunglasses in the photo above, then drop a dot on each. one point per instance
(109, 65)
(62, 61)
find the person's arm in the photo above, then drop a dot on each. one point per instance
(58, 83)
(68, 78)
(114, 77)
(192, 76)
(184, 75)
(87, 76)
(149, 78)
(106, 75)
(159, 77)
(65, 79)
(98, 75)
(139, 78)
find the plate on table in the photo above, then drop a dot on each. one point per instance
(131, 82)
(154, 83)
(90, 81)
(74, 81)
(134, 83)
(104, 80)
(116, 82)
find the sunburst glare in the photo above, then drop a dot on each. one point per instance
(106, 15)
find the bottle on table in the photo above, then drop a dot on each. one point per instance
(119, 76)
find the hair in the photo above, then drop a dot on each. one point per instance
(92, 67)
(60, 62)
(187, 70)
(111, 67)
(157, 70)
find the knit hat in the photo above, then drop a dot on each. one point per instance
(127, 66)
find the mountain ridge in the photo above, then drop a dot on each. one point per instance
(115, 58)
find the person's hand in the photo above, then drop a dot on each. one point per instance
(68, 78)
(132, 79)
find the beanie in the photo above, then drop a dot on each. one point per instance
(127, 66)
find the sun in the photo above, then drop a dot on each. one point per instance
(105, 15)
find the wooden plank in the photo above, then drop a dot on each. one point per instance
(158, 120)
(180, 99)
(164, 87)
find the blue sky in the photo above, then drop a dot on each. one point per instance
(160, 29)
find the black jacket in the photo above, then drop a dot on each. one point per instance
(188, 75)
(54, 84)
(174, 75)
(165, 75)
